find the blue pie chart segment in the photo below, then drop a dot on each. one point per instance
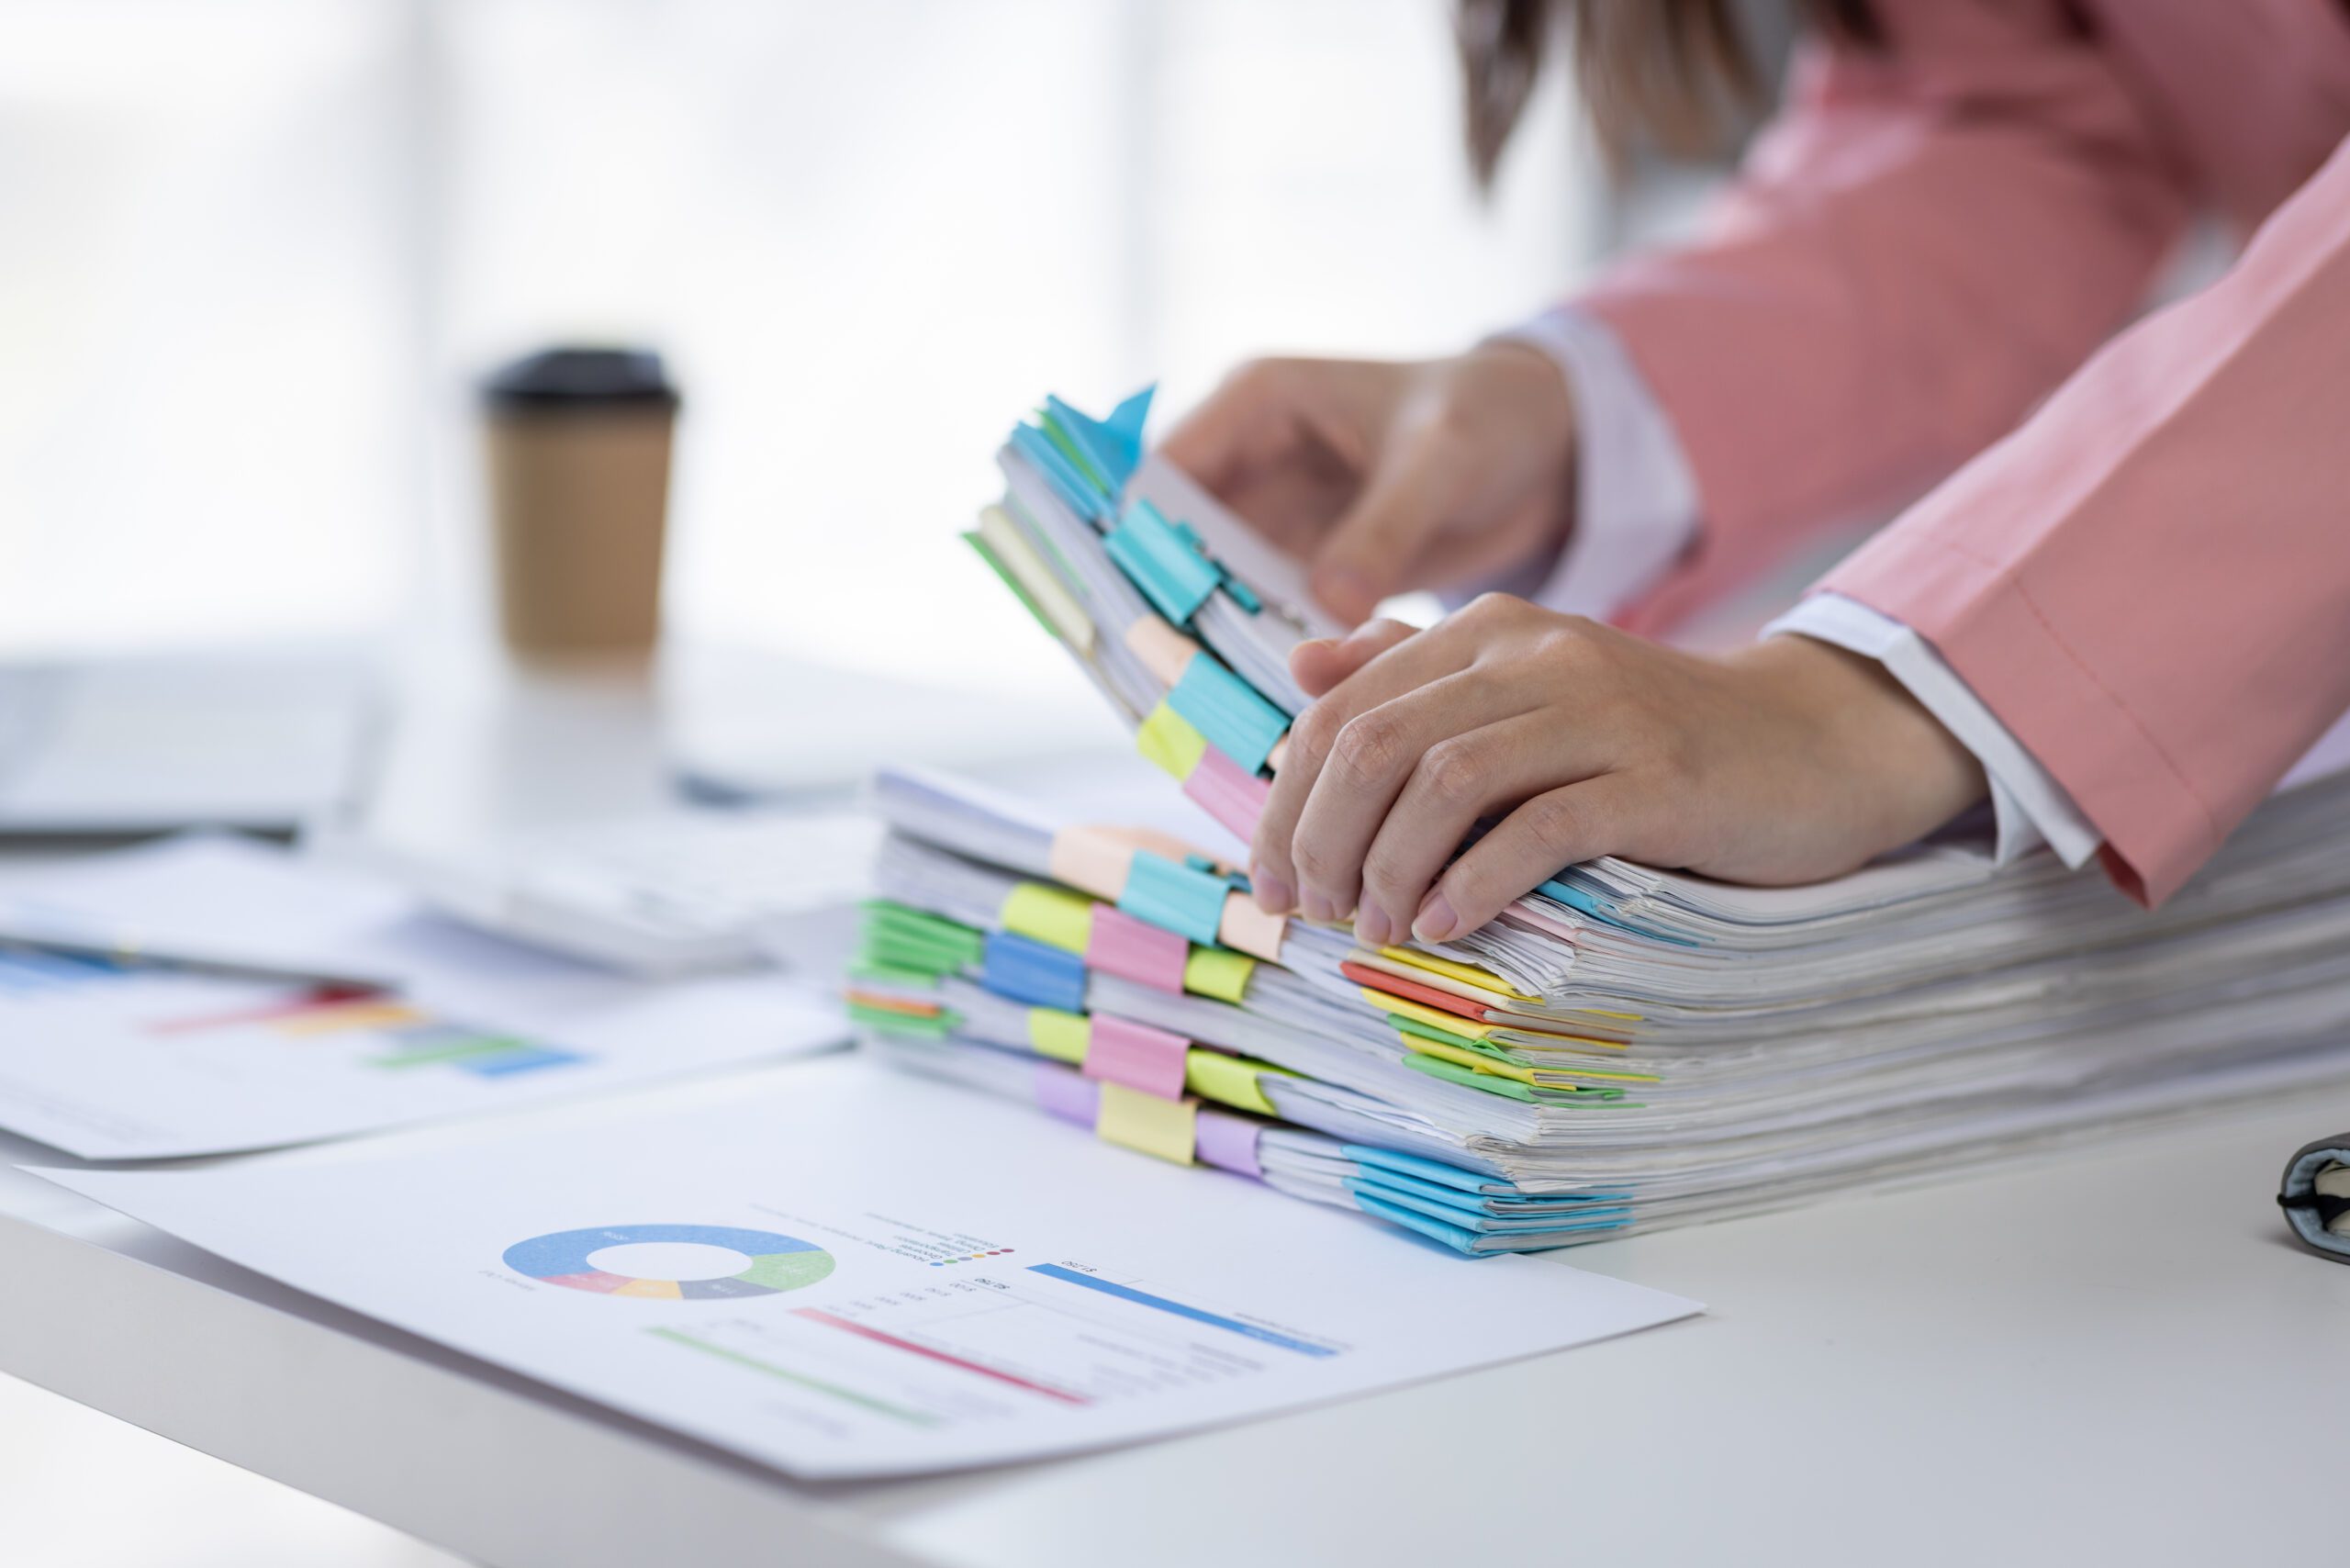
(779, 1262)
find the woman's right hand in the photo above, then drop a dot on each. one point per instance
(1385, 476)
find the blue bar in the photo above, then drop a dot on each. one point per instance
(1142, 1298)
(1030, 971)
(521, 1059)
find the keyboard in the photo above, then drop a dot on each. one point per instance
(679, 893)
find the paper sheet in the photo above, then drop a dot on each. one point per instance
(134, 1064)
(850, 1272)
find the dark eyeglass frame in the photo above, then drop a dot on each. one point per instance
(2306, 1210)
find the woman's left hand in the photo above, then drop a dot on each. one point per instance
(1786, 762)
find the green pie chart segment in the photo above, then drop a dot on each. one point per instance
(787, 1271)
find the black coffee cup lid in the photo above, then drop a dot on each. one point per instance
(560, 378)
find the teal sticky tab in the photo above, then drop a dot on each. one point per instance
(1072, 445)
(1452, 1236)
(1426, 1169)
(1105, 448)
(1173, 897)
(1084, 498)
(1171, 574)
(1128, 418)
(1243, 595)
(1425, 1196)
(1432, 1202)
(1227, 710)
(1590, 904)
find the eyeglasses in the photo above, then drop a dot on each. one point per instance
(2316, 1196)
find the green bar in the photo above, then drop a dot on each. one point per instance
(1060, 438)
(979, 547)
(900, 925)
(462, 1051)
(1492, 1083)
(912, 1418)
(882, 957)
(865, 968)
(936, 1027)
(1430, 1031)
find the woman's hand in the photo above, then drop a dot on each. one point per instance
(1786, 762)
(1386, 477)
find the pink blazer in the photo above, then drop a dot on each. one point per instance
(2148, 578)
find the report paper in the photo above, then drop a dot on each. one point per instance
(109, 1062)
(848, 1272)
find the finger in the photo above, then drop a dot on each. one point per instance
(1372, 545)
(1246, 421)
(1604, 815)
(1458, 781)
(1321, 663)
(1366, 770)
(1409, 663)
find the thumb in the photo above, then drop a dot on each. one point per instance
(1372, 547)
(1321, 663)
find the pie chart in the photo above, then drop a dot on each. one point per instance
(565, 1257)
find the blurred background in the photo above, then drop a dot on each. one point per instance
(258, 249)
(255, 255)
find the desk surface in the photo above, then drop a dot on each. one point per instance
(2109, 1353)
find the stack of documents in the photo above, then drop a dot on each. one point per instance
(1625, 1046)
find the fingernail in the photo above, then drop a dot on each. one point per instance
(1436, 922)
(1273, 895)
(1319, 907)
(1372, 928)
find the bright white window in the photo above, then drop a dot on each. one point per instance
(255, 251)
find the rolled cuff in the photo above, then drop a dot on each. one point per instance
(1985, 626)
(2029, 806)
(1636, 499)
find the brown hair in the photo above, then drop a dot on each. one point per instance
(1677, 72)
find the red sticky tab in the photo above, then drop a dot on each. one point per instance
(1411, 991)
(1136, 950)
(1218, 786)
(1137, 1056)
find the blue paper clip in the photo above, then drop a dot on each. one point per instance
(1174, 897)
(1227, 711)
(1163, 560)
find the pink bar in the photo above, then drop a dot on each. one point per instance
(1228, 1143)
(1136, 1056)
(1136, 950)
(1069, 1095)
(1233, 798)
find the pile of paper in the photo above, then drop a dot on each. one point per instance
(1624, 1046)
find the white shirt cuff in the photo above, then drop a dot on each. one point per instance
(2030, 807)
(1635, 501)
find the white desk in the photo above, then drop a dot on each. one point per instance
(2110, 1355)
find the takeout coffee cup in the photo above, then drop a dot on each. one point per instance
(577, 442)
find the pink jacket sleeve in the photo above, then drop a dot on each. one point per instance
(1924, 245)
(2148, 582)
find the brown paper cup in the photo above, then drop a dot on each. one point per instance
(577, 447)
